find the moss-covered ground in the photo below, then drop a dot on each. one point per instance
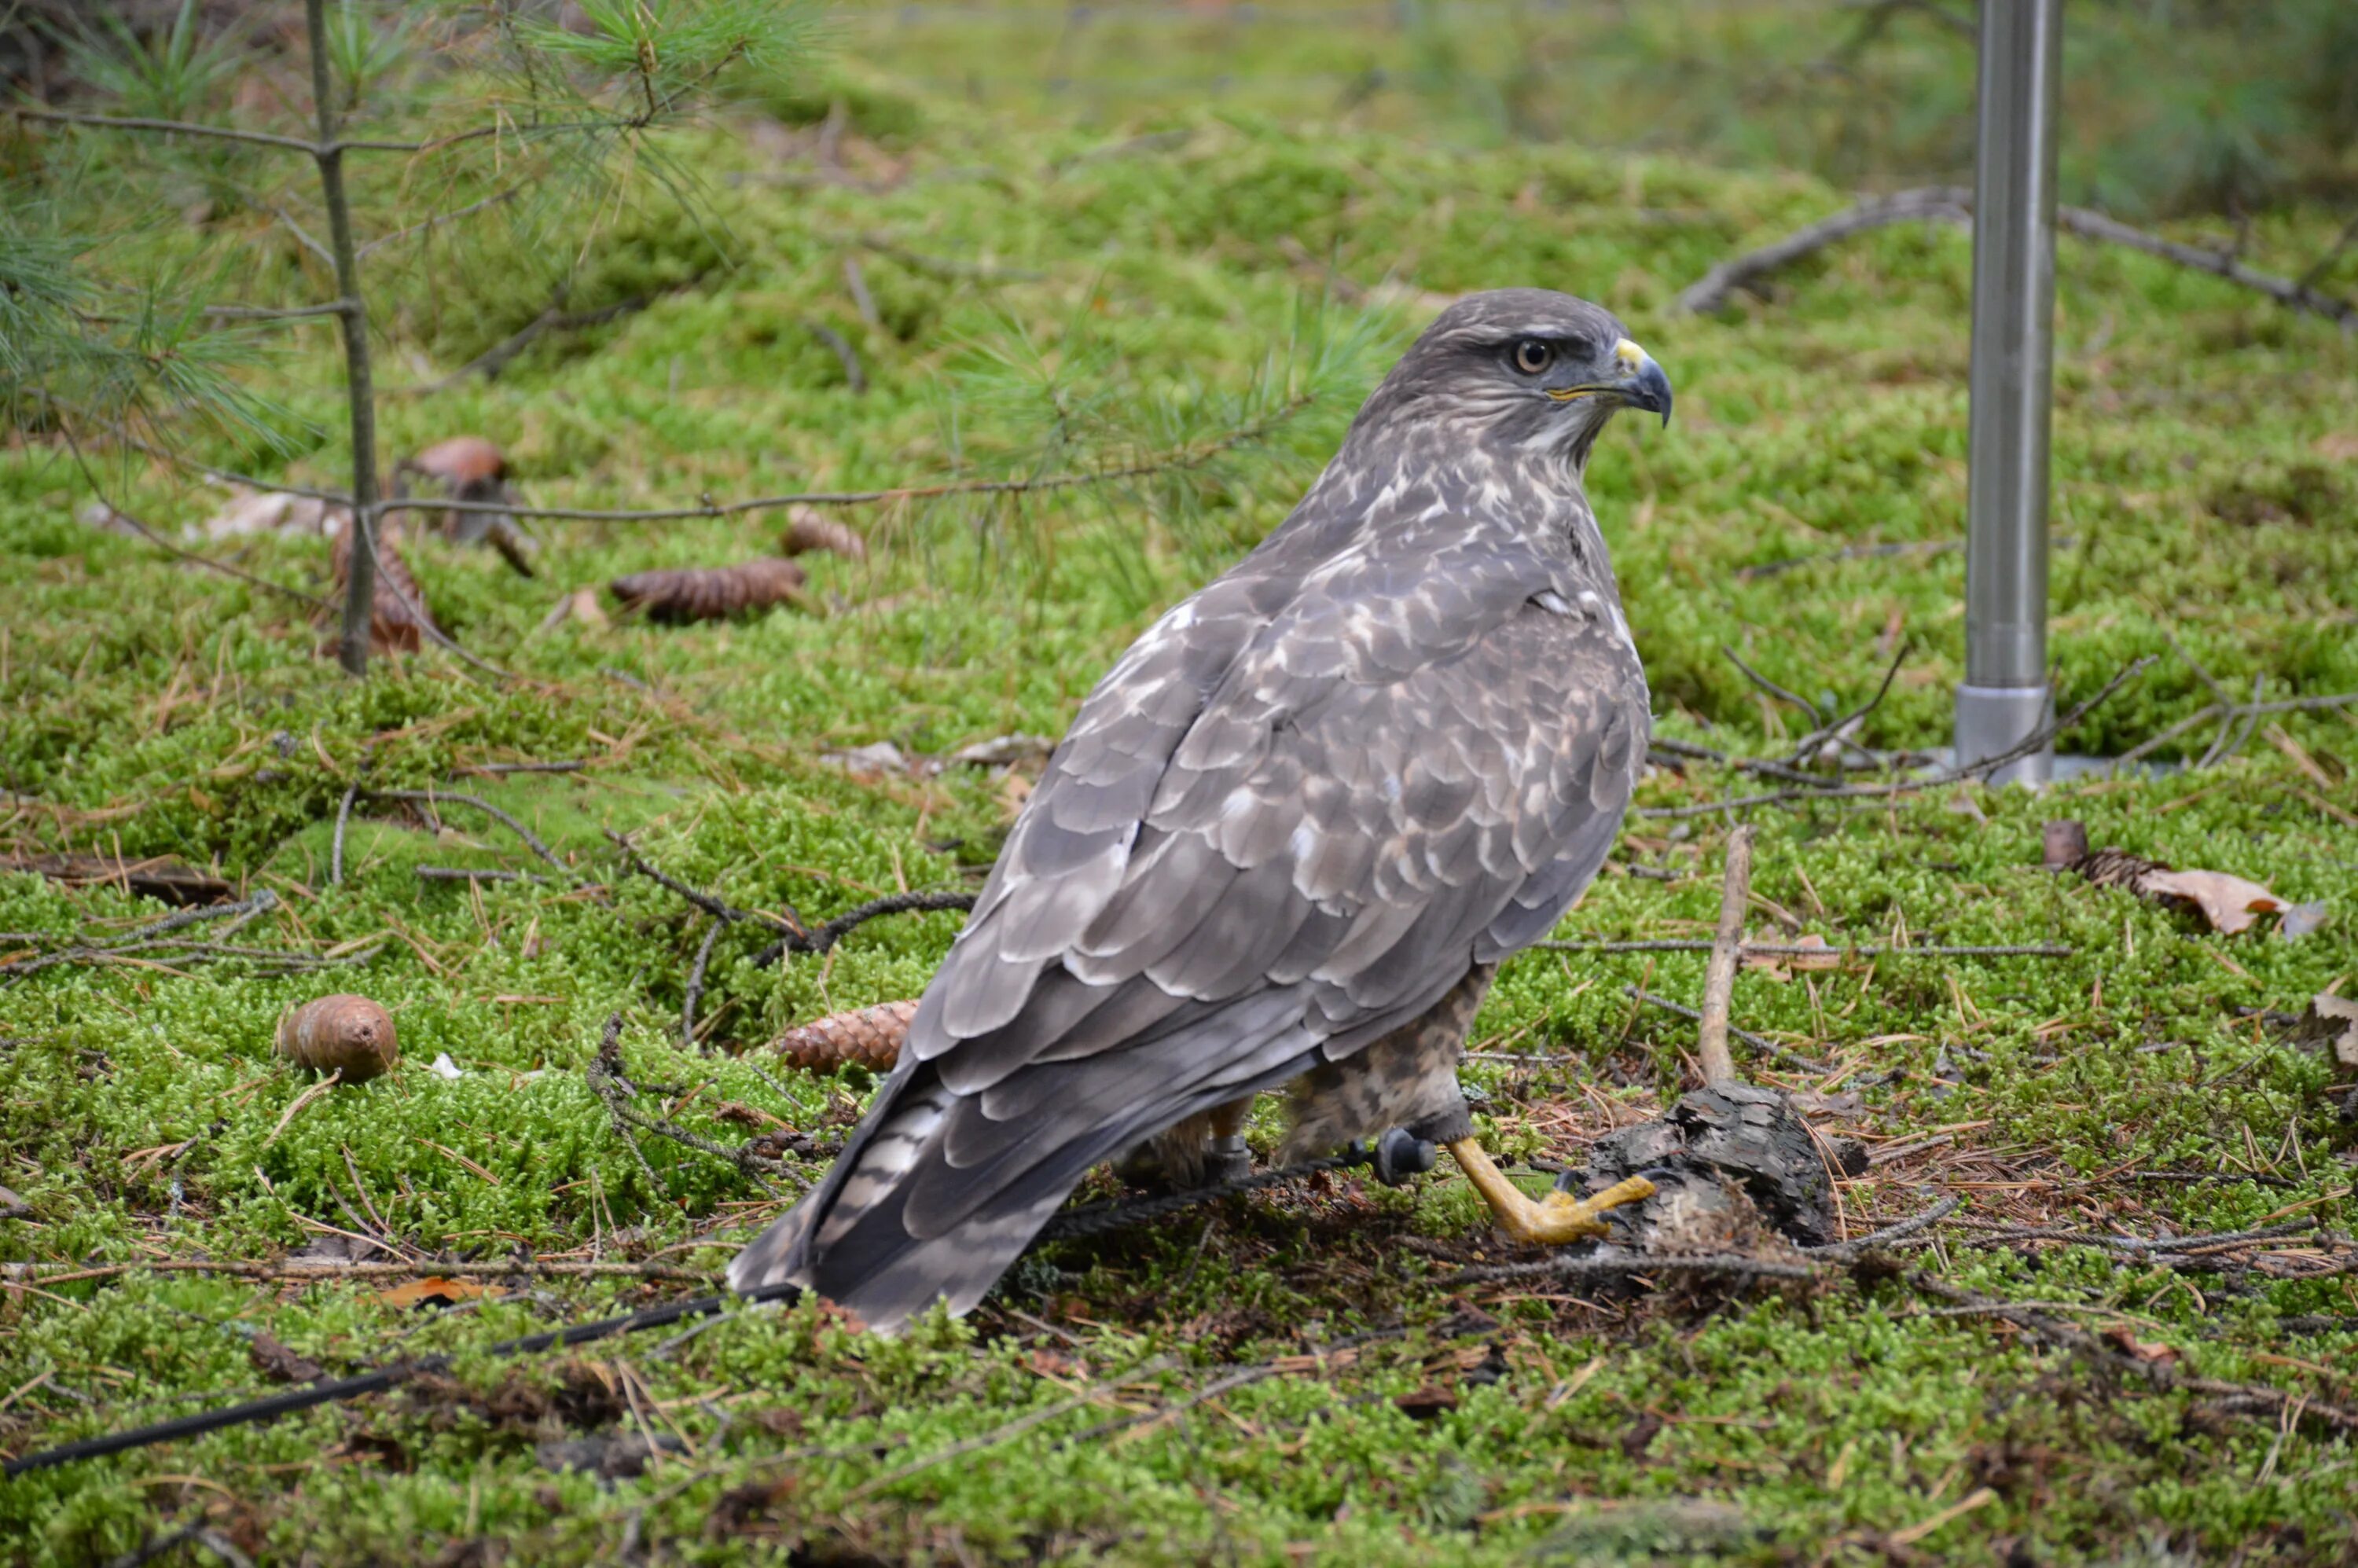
(1154, 282)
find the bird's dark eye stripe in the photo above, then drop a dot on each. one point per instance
(1534, 355)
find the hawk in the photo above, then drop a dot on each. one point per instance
(1287, 838)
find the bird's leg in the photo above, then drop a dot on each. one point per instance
(1226, 1158)
(1551, 1221)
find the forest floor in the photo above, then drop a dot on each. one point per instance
(1294, 1376)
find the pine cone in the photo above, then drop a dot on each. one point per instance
(2117, 868)
(869, 1037)
(710, 593)
(808, 529)
(349, 1034)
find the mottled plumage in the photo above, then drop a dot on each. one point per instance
(1290, 830)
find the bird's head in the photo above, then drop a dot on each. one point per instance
(1524, 368)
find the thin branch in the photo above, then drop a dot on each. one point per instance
(2023, 747)
(1850, 553)
(947, 266)
(1942, 203)
(840, 346)
(167, 545)
(440, 218)
(694, 993)
(1758, 1042)
(276, 312)
(2231, 711)
(834, 931)
(336, 844)
(300, 232)
(1953, 204)
(1845, 1250)
(1773, 689)
(444, 798)
(2285, 291)
(1185, 459)
(2324, 264)
(710, 904)
(1801, 950)
(166, 127)
(1833, 728)
(363, 569)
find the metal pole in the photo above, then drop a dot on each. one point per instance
(2006, 698)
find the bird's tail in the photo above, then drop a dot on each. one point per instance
(910, 1214)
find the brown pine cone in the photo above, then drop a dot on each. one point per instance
(868, 1036)
(710, 593)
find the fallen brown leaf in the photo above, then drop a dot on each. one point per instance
(2332, 1022)
(2229, 902)
(2141, 1349)
(435, 1288)
(399, 618)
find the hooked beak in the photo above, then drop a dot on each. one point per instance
(1644, 386)
(1641, 383)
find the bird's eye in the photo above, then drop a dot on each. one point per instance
(1533, 356)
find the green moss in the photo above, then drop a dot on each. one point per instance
(164, 711)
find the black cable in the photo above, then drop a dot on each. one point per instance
(372, 1382)
(1093, 1219)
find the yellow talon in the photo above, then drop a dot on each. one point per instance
(1552, 1221)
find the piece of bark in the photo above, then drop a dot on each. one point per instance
(399, 619)
(159, 877)
(808, 529)
(867, 1037)
(2064, 844)
(345, 1034)
(1715, 1148)
(711, 593)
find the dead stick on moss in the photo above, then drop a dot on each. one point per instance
(336, 846)
(1719, 975)
(696, 983)
(706, 902)
(1805, 950)
(1760, 1042)
(1942, 780)
(606, 1079)
(2159, 1374)
(445, 798)
(825, 936)
(1953, 204)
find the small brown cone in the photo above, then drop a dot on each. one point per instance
(343, 1032)
(808, 529)
(710, 593)
(867, 1037)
